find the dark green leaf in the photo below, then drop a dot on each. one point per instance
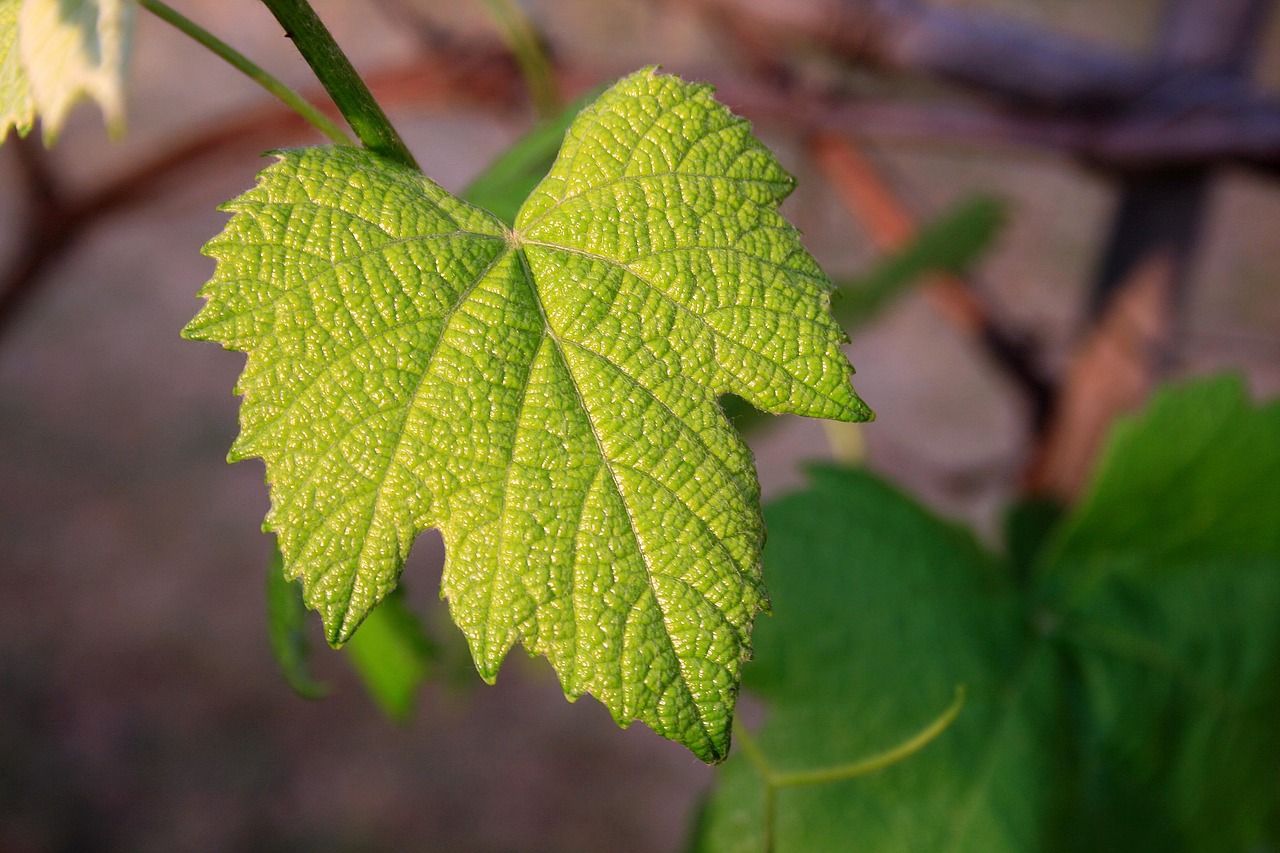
(1130, 703)
(1198, 473)
(1170, 576)
(880, 612)
(1027, 527)
(286, 629)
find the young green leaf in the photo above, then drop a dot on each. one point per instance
(65, 50)
(16, 109)
(545, 395)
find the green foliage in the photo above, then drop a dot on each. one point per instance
(53, 53)
(16, 109)
(1125, 701)
(517, 171)
(392, 655)
(546, 395)
(950, 243)
(1168, 574)
(287, 630)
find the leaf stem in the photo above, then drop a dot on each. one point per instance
(340, 79)
(904, 750)
(247, 67)
(527, 46)
(775, 781)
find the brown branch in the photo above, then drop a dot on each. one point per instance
(870, 198)
(1109, 375)
(1041, 88)
(1137, 293)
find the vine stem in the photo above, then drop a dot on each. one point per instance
(340, 79)
(527, 46)
(775, 780)
(246, 66)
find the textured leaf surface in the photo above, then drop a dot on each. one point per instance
(74, 49)
(545, 396)
(1128, 702)
(16, 109)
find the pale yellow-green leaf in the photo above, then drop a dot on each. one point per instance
(545, 395)
(75, 49)
(16, 109)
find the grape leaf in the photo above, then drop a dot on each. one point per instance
(880, 611)
(1126, 702)
(1197, 472)
(545, 395)
(69, 50)
(16, 109)
(1167, 578)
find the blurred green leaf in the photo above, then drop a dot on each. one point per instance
(1169, 574)
(527, 45)
(69, 50)
(512, 176)
(1129, 703)
(880, 611)
(1198, 473)
(1028, 526)
(287, 623)
(392, 655)
(950, 243)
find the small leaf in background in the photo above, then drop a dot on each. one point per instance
(527, 46)
(512, 176)
(950, 243)
(1129, 703)
(16, 109)
(546, 396)
(286, 629)
(75, 49)
(392, 655)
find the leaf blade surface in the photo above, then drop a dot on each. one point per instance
(545, 400)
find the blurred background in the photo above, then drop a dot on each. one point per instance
(1100, 177)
